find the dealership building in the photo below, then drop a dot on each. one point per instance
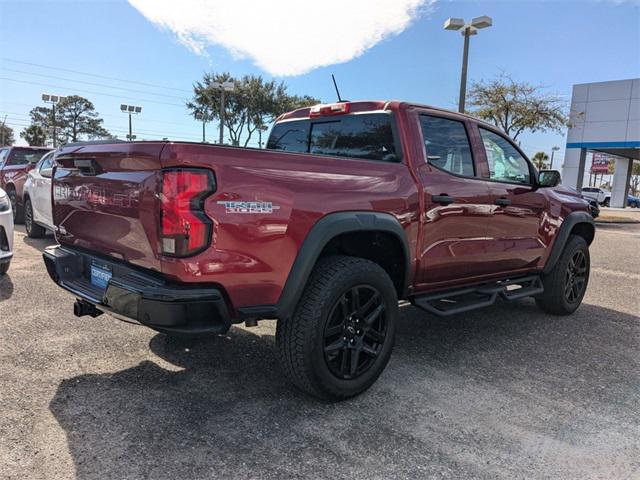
(604, 117)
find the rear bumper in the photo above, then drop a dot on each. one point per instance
(135, 295)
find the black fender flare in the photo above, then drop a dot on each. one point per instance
(325, 229)
(573, 219)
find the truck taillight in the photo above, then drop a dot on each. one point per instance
(184, 228)
(330, 109)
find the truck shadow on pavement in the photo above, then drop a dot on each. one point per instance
(503, 392)
(39, 243)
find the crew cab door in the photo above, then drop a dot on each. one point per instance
(517, 224)
(456, 203)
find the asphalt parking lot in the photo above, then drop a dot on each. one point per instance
(505, 392)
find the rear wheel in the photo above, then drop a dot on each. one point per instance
(33, 229)
(18, 214)
(340, 338)
(566, 284)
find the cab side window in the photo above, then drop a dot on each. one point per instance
(505, 162)
(447, 145)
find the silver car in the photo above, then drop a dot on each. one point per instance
(37, 198)
(6, 232)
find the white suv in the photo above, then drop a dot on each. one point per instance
(36, 198)
(599, 195)
(6, 232)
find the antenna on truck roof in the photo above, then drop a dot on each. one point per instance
(337, 91)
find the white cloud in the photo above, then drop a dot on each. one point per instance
(283, 37)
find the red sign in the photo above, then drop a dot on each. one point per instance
(600, 163)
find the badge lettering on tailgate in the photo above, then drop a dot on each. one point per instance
(249, 207)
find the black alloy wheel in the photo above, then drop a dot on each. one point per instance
(355, 332)
(575, 278)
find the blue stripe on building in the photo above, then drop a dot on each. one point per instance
(604, 145)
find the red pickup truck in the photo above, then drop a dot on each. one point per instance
(351, 207)
(15, 163)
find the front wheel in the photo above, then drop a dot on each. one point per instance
(4, 268)
(566, 284)
(340, 338)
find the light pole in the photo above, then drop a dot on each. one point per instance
(203, 116)
(466, 29)
(131, 110)
(261, 128)
(2, 131)
(553, 150)
(223, 87)
(53, 100)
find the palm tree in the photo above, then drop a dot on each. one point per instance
(540, 160)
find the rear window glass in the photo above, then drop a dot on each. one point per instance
(25, 157)
(364, 136)
(290, 136)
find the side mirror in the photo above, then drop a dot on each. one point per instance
(548, 178)
(46, 172)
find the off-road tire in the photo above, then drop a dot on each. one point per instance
(300, 340)
(554, 300)
(33, 229)
(4, 268)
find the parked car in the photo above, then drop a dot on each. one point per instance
(37, 198)
(351, 207)
(15, 163)
(594, 208)
(633, 202)
(6, 232)
(603, 197)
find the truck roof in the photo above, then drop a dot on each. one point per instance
(374, 105)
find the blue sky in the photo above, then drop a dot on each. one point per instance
(554, 43)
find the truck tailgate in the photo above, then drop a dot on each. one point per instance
(105, 200)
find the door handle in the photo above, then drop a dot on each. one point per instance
(502, 201)
(442, 199)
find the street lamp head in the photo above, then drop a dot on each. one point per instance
(48, 98)
(226, 86)
(453, 24)
(555, 149)
(124, 108)
(482, 22)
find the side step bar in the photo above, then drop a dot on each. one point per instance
(461, 300)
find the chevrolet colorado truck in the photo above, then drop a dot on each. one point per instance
(352, 207)
(15, 164)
